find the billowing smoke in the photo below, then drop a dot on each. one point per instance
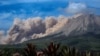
(2, 37)
(37, 27)
(33, 28)
(76, 8)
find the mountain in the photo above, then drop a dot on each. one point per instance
(81, 42)
(81, 31)
(82, 24)
(36, 28)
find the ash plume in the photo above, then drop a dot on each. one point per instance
(2, 37)
(33, 28)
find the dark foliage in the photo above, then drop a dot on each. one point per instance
(30, 50)
(51, 50)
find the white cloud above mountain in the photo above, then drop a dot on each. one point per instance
(76, 8)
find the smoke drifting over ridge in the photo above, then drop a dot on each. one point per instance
(33, 28)
(37, 27)
(2, 37)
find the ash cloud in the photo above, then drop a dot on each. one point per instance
(37, 27)
(33, 28)
(2, 37)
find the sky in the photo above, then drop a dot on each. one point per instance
(23, 9)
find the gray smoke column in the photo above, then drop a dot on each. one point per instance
(32, 28)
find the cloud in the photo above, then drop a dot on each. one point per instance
(36, 27)
(33, 28)
(6, 20)
(5, 15)
(76, 8)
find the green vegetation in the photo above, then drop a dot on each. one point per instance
(83, 45)
(83, 42)
(30, 50)
(51, 50)
(90, 42)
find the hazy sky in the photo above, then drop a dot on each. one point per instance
(11, 9)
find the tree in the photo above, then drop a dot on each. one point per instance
(52, 50)
(30, 50)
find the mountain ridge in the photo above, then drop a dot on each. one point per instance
(82, 24)
(72, 26)
(81, 31)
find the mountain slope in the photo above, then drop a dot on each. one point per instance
(37, 28)
(82, 24)
(81, 31)
(89, 41)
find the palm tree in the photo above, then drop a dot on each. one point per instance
(65, 51)
(52, 49)
(1, 53)
(30, 50)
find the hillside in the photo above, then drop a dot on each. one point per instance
(81, 31)
(87, 41)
